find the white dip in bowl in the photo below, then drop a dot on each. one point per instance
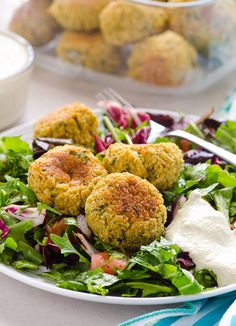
(16, 64)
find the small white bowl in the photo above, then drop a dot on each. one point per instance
(16, 65)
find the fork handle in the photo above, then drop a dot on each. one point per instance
(218, 151)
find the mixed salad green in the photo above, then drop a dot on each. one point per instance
(35, 237)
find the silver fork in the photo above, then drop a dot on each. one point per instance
(159, 130)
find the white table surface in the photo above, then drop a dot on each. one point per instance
(21, 305)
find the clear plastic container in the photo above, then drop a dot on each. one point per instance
(174, 47)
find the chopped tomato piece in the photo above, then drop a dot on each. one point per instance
(113, 265)
(185, 145)
(109, 265)
(99, 260)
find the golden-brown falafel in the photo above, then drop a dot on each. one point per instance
(159, 163)
(32, 21)
(166, 59)
(90, 50)
(125, 211)
(122, 22)
(75, 121)
(77, 15)
(205, 26)
(64, 177)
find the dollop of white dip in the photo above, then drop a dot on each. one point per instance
(13, 56)
(206, 234)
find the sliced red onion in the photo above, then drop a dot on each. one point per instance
(4, 229)
(195, 156)
(85, 245)
(83, 226)
(30, 213)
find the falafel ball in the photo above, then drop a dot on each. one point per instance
(206, 26)
(122, 22)
(32, 21)
(90, 50)
(159, 163)
(77, 15)
(166, 59)
(75, 121)
(64, 177)
(125, 211)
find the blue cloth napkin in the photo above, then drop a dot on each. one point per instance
(219, 311)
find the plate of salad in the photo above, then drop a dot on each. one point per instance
(89, 210)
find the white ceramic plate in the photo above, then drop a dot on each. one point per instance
(28, 278)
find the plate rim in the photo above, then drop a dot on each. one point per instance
(41, 284)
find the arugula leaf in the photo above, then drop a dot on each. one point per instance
(206, 278)
(8, 243)
(66, 247)
(161, 257)
(151, 288)
(97, 281)
(25, 264)
(133, 274)
(42, 206)
(15, 157)
(72, 285)
(7, 256)
(29, 253)
(222, 199)
(18, 230)
(226, 136)
(14, 191)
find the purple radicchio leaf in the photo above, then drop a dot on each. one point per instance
(4, 229)
(117, 113)
(141, 136)
(195, 156)
(52, 255)
(185, 261)
(216, 160)
(179, 201)
(143, 117)
(164, 119)
(30, 213)
(212, 124)
(124, 117)
(100, 145)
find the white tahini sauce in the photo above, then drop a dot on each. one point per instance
(13, 56)
(205, 233)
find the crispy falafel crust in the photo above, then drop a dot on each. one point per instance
(123, 22)
(125, 211)
(64, 177)
(77, 15)
(90, 50)
(159, 163)
(75, 121)
(166, 59)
